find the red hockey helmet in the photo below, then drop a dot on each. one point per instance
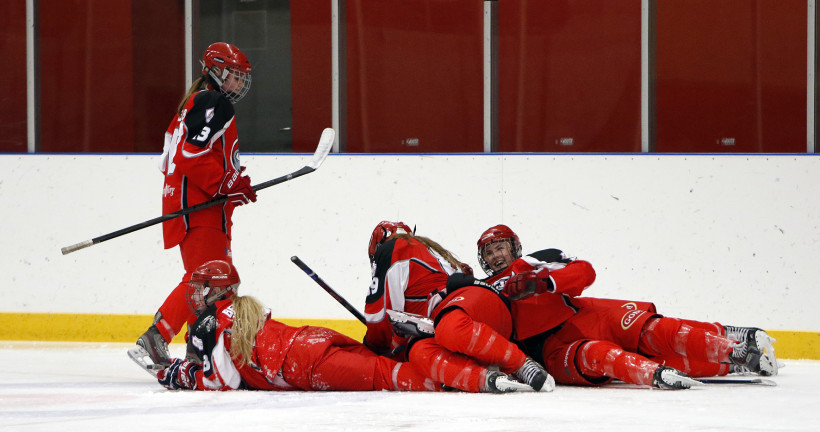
(498, 233)
(382, 232)
(211, 282)
(222, 61)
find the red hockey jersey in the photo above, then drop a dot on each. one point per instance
(201, 144)
(543, 312)
(404, 274)
(211, 340)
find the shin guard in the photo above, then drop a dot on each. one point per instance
(444, 366)
(669, 336)
(457, 332)
(605, 359)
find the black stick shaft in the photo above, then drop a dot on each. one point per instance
(322, 150)
(216, 201)
(299, 263)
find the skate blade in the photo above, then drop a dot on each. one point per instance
(549, 385)
(139, 355)
(768, 362)
(414, 326)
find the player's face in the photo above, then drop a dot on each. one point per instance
(233, 84)
(498, 255)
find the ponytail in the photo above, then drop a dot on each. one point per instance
(249, 317)
(200, 83)
(434, 246)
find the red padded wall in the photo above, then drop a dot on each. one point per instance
(414, 73)
(731, 76)
(570, 75)
(13, 110)
(86, 76)
(311, 52)
(159, 69)
(111, 74)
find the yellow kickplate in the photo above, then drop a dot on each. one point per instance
(54, 327)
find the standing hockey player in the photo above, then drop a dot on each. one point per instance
(200, 161)
(589, 341)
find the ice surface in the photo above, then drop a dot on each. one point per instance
(91, 387)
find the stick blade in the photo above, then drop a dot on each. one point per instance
(739, 381)
(322, 150)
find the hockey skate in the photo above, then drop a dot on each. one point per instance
(667, 378)
(406, 324)
(499, 382)
(754, 352)
(535, 376)
(151, 352)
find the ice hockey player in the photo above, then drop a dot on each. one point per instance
(234, 344)
(200, 162)
(407, 271)
(589, 341)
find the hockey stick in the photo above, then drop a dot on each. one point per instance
(719, 380)
(299, 263)
(325, 144)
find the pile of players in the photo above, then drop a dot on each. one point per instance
(433, 326)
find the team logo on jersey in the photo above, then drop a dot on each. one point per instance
(209, 114)
(630, 317)
(235, 158)
(167, 191)
(197, 343)
(630, 306)
(459, 298)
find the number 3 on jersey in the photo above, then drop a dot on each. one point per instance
(203, 136)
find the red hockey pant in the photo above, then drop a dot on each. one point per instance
(323, 359)
(199, 246)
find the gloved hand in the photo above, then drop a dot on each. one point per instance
(466, 269)
(526, 284)
(180, 375)
(237, 187)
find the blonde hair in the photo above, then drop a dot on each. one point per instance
(434, 246)
(249, 317)
(200, 83)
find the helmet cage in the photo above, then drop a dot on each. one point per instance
(224, 62)
(201, 294)
(497, 234)
(211, 282)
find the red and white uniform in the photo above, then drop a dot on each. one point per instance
(569, 277)
(585, 340)
(404, 274)
(201, 144)
(294, 358)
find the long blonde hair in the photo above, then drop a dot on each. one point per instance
(434, 246)
(200, 83)
(249, 317)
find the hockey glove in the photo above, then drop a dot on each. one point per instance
(237, 187)
(526, 284)
(181, 375)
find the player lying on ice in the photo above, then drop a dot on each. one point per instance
(598, 339)
(472, 327)
(233, 344)
(589, 341)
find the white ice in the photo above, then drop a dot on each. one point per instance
(95, 387)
